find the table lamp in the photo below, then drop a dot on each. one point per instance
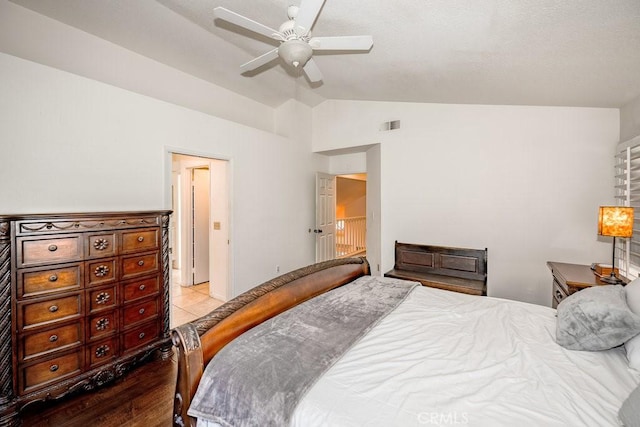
(615, 221)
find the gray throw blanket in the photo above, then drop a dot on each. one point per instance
(259, 378)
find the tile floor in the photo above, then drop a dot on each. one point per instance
(189, 302)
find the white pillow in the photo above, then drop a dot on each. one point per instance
(629, 413)
(633, 295)
(632, 346)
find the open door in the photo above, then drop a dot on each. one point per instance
(200, 204)
(325, 217)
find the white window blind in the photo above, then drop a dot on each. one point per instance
(627, 193)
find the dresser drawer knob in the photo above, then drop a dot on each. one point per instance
(101, 244)
(559, 295)
(103, 298)
(141, 239)
(141, 287)
(53, 308)
(53, 368)
(53, 277)
(52, 248)
(141, 263)
(102, 351)
(141, 311)
(53, 338)
(141, 335)
(101, 270)
(102, 324)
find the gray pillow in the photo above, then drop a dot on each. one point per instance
(596, 318)
(630, 411)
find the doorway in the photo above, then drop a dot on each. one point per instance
(351, 215)
(341, 216)
(200, 232)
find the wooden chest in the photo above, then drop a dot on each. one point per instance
(83, 297)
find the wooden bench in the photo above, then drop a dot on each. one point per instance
(454, 269)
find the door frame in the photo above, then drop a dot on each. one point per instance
(168, 202)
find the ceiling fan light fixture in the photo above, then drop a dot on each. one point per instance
(296, 43)
(295, 52)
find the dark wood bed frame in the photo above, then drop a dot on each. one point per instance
(198, 341)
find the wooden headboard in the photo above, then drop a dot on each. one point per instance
(198, 341)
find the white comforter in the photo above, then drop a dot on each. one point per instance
(443, 358)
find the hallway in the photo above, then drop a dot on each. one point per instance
(189, 303)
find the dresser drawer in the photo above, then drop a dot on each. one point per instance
(42, 312)
(140, 312)
(102, 352)
(559, 293)
(137, 265)
(63, 337)
(140, 289)
(102, 324)
(101, 272)
(102, 299)
(140, 240)
(40, 281)
(140, 336)
(101, 245)
(57, 368)
(35, 251)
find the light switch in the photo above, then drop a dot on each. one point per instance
(216, 225)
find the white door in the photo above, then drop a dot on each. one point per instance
(200, 224)
(325, 217)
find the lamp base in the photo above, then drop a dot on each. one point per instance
(612, 280)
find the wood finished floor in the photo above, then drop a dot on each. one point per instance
(142, 398)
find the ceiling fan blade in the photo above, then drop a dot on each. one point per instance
(244, 22)
(259, 61)
(312, 71)
(342, 43)
(307, 13)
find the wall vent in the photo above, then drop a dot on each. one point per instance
(391, 125)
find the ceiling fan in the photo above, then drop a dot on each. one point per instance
(296, 43)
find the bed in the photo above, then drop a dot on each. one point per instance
(433, 357)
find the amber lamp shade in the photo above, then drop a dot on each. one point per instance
(615, 221)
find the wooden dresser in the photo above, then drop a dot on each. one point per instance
(83, 299)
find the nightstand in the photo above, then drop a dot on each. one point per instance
(570, 278)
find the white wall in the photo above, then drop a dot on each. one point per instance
(525, 182)
(73, 144)
(374, 210)
(219, 242)
(29, 35)
(630, 120)
(348, 163)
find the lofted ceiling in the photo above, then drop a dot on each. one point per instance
(515, 52)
